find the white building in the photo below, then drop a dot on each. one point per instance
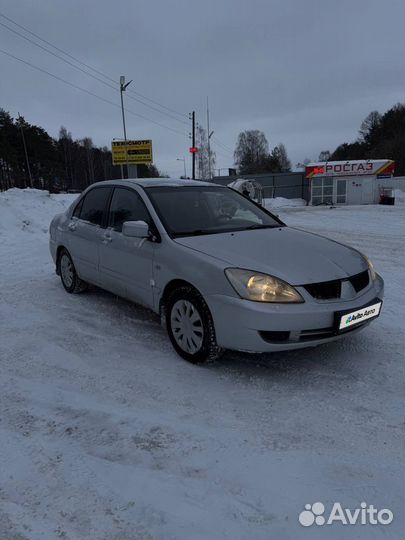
(349, 182)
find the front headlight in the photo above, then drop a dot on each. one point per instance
(261, 287)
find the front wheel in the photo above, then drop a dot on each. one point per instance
(68, 275)
(190, 326)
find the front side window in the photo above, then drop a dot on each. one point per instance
(94, 205)
(126, 205)
(78, 209)
(207, 210)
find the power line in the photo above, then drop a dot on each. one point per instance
(222, 151)
(182, 115)
(88, 91)
(87, 73)
(224, 146)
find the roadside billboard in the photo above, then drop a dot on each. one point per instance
(131, 152)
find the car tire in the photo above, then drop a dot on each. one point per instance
(190, 326)
(68, 275)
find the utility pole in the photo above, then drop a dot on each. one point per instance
(209, 135)
(26, 153)
(123, 87)
(193, 143)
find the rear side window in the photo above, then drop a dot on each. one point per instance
(127, 205)
(94, 205)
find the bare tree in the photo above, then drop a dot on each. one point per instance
(252, 151)
(371, 121)
(285, 163)
(204, 154)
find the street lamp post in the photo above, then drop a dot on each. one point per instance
(123, 87)
(183, 159)
(121, 165)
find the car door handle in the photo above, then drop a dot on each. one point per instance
(72, 226)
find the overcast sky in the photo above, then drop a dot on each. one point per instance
(305, 72)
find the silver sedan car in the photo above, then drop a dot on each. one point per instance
(222, 272)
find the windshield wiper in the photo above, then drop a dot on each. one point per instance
(195, 232)
(200, 232)
(252, 227)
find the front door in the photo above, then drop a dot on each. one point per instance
(85, 231)
(367, 195)
(126, 262)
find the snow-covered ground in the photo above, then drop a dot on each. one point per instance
(106, 433)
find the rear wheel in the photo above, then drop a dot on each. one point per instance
(68, 275)
(190, 326)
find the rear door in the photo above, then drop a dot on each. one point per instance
(126, 263)
(86, 230)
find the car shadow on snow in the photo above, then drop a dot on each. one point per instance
(342, 359)
(119, 308)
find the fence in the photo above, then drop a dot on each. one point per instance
(286, 185)
(291, 191)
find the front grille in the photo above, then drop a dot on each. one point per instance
(323, 333)
(319, 333)
(325, 290)
(360, 281)
(328, 290)
(306, 335)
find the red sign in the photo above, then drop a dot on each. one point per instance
(350, 168)
(193, 150)
(319, 170)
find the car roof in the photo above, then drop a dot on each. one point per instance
(160, 182)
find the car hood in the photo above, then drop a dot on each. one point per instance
(295, 256)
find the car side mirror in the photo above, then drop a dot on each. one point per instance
(135, 229)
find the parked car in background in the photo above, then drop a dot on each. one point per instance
(223, 272)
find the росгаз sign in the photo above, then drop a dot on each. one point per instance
(135, 152)
(357, 167)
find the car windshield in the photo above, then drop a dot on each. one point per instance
(191, 210)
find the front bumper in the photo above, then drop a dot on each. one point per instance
(264, 327)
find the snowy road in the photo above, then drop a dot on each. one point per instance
(106, 433)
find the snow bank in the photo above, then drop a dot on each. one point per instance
(281, 202)
(30, 210)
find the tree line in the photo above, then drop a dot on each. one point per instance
(65, 164)
(381, 136)
(61, 164)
